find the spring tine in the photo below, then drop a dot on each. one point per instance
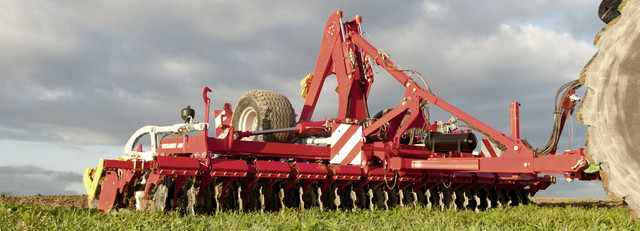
(440, 202)
(465, 195)
(428, 199)
(160, 197)
(319, 195)
(191, 200)
(401, 198)
(370, 194)
(301, 193)
(386, 199)
(463, 199)
(414, 197)
(261, 199)
(336, 201)
(240, 203)
(281, 196)
(453, 204)
(442, 199)
(216, 197)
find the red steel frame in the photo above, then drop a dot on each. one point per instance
(346, 54)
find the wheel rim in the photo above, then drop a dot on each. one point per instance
(248, 121)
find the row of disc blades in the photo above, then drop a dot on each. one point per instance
(266, 195)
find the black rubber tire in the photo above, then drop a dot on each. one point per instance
(272, 111)
(610, 106)
(608, 10)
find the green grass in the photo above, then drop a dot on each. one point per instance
(529, 217)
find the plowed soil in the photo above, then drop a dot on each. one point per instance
(62, 201)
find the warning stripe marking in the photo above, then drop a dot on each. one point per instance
(346, 145)
(218, 122)
(489, 149)
(219, 114)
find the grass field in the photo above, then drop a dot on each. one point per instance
(543, 214)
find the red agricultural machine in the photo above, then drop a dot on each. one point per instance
(262, 159)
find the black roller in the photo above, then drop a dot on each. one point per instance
(451, 142)
(187, 113)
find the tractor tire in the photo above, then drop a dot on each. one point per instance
(611, 105)
(608, 10)
(259, 110)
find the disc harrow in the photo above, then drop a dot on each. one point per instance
(198, 194)
(397, 158)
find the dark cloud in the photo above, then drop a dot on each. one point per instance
(105, 69)
(32, 180)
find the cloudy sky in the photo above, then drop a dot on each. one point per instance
(77, 78)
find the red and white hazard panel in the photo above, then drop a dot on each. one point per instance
(489, 149)
(218, 122)
(346, 144)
